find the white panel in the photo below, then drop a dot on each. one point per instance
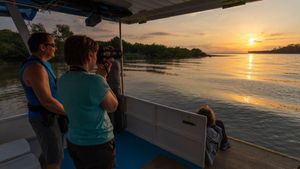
(179, 132)
(141, 110)
(140, 128)
(182, 133)
(14, 128)
(28, 161)
(184, 147)
(13, 149)
(180, 122)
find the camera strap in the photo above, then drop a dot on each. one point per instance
(106, 71)
(77, 68)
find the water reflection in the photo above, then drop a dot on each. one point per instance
(249, 72)
(9, 74)
(160, 68)
(242, 88)
(246, 99)
(282, 108)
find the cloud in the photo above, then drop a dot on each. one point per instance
(159, 34)
(200, 46)
(155, 34)
(280, 38)
(200, 33)
(149, 35)
(275, 34)
(100, 37)
(271, 34)
(274, 37)
(101, 30)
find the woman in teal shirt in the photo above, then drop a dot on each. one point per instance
(87, 98)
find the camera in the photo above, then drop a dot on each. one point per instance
(107, 53)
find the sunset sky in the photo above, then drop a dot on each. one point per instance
(255, 26)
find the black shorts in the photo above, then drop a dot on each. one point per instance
(50, 139)
(101, 156)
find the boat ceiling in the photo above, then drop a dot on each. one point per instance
(129, 11)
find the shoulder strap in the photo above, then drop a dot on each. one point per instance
(32, 59)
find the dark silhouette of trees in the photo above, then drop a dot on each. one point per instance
(289, 49)
(37, 27)
(292, 48)
(61, 33)
(13, 49)
(153, 51)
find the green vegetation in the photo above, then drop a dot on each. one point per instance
(12, 48)
(289, 49)
(153, 51)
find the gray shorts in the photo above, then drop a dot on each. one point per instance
(50, 139)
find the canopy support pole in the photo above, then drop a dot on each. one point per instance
(122, 57)
(19, 22)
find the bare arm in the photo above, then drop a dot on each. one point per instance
(110, 102)
(36, 76)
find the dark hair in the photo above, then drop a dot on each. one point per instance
(77, 49)
(36, 39)
(206, 111)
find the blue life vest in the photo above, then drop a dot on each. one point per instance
(29, 93)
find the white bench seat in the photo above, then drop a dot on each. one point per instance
(13, 149)
(27, 161)
(17, 155)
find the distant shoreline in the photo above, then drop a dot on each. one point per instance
(289, 49)
(220, 55)
(272, 52)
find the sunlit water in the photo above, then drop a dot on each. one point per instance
(257, 96)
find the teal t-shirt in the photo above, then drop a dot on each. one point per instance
(81, 94)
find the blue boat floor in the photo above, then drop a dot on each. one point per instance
(134, 153)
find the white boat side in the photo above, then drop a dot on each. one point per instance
(179, 132)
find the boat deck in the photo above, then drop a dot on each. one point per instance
(249, 156)
(136, 153)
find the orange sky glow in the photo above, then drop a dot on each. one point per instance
(261, 25)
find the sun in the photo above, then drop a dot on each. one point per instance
(251, 41)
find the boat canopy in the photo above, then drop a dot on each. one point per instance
(126, 11)
(28, 13)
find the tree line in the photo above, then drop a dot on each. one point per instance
(289, 49)
(12, 48)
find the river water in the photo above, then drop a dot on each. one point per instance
(256, 95)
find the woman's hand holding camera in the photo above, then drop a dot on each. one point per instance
(104, 69)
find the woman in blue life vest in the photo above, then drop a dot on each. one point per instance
(39, 84)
